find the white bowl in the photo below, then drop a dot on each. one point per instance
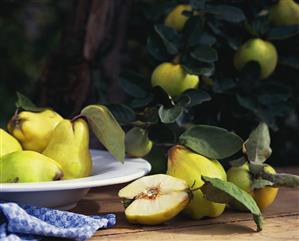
(65, 194)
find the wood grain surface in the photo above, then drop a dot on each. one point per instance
(281, 220)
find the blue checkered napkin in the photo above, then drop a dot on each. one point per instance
(24, 222)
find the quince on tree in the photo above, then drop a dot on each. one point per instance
(173, 79)
(260, 51)
(176, 19)
(285, 12)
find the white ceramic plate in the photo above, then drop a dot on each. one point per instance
(65, 194)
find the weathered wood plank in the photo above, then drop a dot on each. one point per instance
(282, 217)
(279, 228)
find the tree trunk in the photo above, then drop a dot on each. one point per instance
(93, 26)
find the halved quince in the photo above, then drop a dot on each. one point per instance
(154, 199)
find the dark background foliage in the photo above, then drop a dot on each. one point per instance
(34, 34)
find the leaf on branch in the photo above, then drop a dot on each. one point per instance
(134, 84)
(106, 129)
(257, 146)
(282, 179)
(170, 115)
(226, 12)
(196, 96)
(122, 113)
(169, 37)
(260, 183)
(283, 32)
(205, 54)
(210, 141)
(25, 103)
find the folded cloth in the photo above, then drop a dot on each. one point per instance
(25, 222)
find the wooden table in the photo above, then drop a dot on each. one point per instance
(281, 220)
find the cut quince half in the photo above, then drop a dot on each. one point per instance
(154, 199)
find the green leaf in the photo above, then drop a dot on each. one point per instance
(198, 4)
(170, 38)
(141, 102)
(283, 32)
(210, 141)
(156, 48)
(122, 113)
(282, 179)
(260, 183)
(197, 96)
(106, 129)
(193, 66)
(205, 54)
(257, 146)
(193, 30)
(25, 103)
(226, 12)
(134, 84)
(223, 84)
(170, 115)
(220, 191)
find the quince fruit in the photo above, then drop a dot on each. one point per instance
(260, 51)
(176, 19)
(154, 199)
(190, 166)
(173, 79)
(242, 178)
(137, 142)
(285, 12)
(8, 143)
(34, 129)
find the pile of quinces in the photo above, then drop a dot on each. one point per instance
(200, 187)
(39, 145)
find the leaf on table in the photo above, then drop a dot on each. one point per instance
(257, 146)
(211, 141)
(106, 129)
(220, 191)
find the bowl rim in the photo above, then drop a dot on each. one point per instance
(142, 168)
